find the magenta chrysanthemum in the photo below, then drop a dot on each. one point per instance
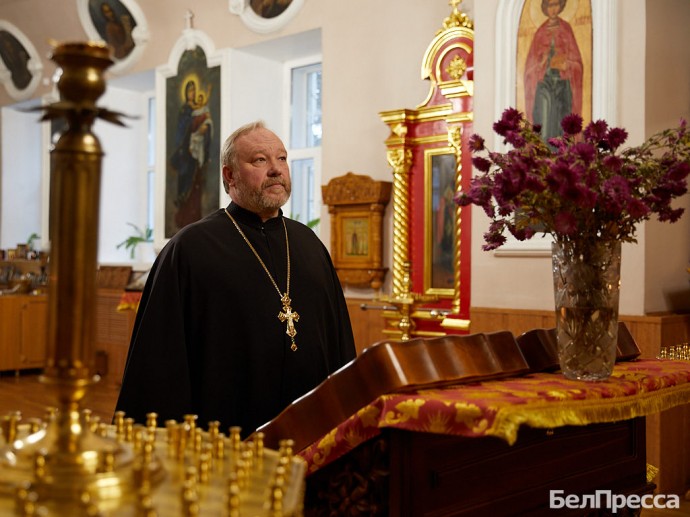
(581, 185)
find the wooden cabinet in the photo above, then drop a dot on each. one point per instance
(113, 332)
(367, 325)
(34, 332)
(405, 473)
(23, 331)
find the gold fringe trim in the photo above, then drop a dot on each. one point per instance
(583, 412)
(652, 471)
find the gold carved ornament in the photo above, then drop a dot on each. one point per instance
(455, 141)
(456, 18)
(401, 161)
(356, 204)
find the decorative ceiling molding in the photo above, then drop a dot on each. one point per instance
(21, 68)
(123, 27)
(265, 23)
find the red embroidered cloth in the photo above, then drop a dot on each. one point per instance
(500, 407)
(129, 301)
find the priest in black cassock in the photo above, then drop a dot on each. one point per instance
(242, 312)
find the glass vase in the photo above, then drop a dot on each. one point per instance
(586, 278)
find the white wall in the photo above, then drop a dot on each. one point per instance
(372, 54)
(667, 98)
(123, 177)
(20, 204)
(653, 271)
(256, 91)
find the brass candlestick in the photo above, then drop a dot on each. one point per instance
(405, 303)
(71, 464)
(65, 461)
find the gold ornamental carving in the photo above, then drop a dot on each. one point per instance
(456, 68)
(353, 188)
(421, 145)
(357, 203)
(456, 18)
(455, 141)
(401, 161)
(446, 63)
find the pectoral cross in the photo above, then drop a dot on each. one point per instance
(291, 318)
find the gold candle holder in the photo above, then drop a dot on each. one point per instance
(405, 302)
(64, 461)
(71, 464)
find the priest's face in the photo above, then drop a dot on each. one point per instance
(259, 181)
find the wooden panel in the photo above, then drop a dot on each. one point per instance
(668, 449)
(650, 331)
(404, 473)
(34, 332)
(367, 325)
(9, 332)
(23, 331)
(113, 332)
(488, 477)
(515, 320)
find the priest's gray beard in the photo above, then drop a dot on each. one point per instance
(258, 199)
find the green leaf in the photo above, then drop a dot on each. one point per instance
(131, 242)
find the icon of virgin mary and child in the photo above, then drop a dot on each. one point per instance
(191, 153)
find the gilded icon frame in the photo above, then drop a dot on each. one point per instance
(170, 78)
(440, 221)
(356, 204)
(355, 238)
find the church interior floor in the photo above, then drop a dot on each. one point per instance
(26, 393)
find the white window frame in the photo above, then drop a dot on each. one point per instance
(152, 137)
(305, 152)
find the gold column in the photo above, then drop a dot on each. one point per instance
(455, 141)
(65, 461)
(401, 161)
(74, 210)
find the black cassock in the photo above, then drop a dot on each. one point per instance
(207, 339)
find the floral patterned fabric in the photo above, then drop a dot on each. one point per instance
(129, 301)
(499, 407)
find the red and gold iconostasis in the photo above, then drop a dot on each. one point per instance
(429, 153)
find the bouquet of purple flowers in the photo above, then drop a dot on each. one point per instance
(582, 184)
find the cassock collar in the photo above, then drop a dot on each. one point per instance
(248, 218)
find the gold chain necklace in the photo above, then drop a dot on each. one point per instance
(286, 314)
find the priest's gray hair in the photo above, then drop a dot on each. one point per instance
(228, 154)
